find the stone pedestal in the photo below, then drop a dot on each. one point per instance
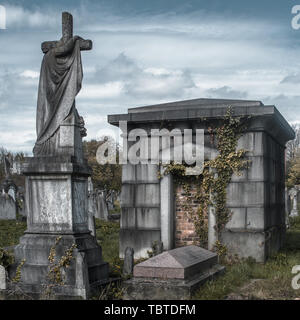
(57, 205)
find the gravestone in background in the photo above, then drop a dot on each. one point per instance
(57, 178)
(11, 192)
(293, 193)
(8, 207)
(3, 285)
(91, 208)
(101, 205)
(128, 261)
(8, 190)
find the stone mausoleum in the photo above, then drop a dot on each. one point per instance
(152, 211)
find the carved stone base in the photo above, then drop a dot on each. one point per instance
(87, 270)
(57, 206)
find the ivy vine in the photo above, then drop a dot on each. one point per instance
(212, 183)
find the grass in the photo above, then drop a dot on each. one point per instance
(107, 236)
(244, 279)
(10, 232)
(247, 279)
(107, 233)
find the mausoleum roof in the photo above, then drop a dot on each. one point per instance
(196, 103)
(263, 117)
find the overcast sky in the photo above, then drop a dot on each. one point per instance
(148, 52)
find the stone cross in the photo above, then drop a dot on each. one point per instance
(67, 33)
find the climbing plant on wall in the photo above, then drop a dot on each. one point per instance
(212, 183)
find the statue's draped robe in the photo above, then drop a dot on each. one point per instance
(60, 82)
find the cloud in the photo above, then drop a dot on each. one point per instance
(120, 68)
(105, 91)
(160, 56)
(123, 75)
(17, 92)
(30, 74)
(226, 92)
(291, 78)
(17, 130)
(6, 87)
(18, 17)
(288, 105)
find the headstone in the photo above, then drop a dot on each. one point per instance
(111, 198)
(21, 202)
(91, 208)
(8, 208)
(16, 168)
(128, 261)
(289, 203)
(101, 205)
(110, 202)
(293, 194)
(91, 223)
(22, 207)
(11, 192)
(114, 216)
(57, 178)
(3, 284)
(286, 197)
(119, 197)
(90, 185)
(8, 186)
(158, 247)
(174, 274)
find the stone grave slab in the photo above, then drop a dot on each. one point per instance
(174, 274)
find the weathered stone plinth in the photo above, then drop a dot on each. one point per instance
(57, 205)
(174, 274)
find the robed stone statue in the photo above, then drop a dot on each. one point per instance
(60, 81)
(56, 180)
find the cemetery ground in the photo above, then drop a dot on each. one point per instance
(243, 279)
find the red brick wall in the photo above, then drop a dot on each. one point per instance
(185, 230)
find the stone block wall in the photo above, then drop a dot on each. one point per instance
(140, 202)
(256, 199)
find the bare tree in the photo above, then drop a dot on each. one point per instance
(293, 145)
(3, 154)
(7, 160)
